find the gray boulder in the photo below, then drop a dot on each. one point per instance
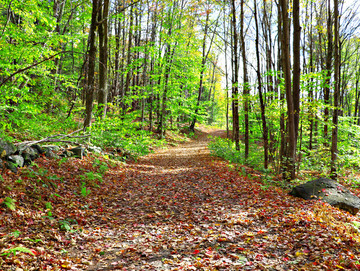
(78, 152)
(12, 166)
(18, 160)
(29, 154)
(328, 191)
(50, 154)
(52, 148)
(6, 148)
(38, 148)
(66, 153)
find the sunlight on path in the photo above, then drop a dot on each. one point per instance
(181, 209)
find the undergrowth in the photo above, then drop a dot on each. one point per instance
(120, 132)
(225, 148)
(310, 163)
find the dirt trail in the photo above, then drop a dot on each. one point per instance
(190, 154)
(175, 209)
(181, 209)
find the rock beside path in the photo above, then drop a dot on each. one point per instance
(328, 191)
(13, 157)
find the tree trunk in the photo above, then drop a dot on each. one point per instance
(90, 86)
(205, 54)
(128, 61)
(246, 87)
(296, 66)
(262, 103)
(289, 161)
(226, 72)
(334, 133)
(103, 57)
(235, 68)
(328, 75)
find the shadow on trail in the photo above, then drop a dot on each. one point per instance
(181, 209)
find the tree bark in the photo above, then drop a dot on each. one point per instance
(262, 103)
(246, 87)
(289, 161)
(328, 75)
(235, 68)
(296, 65)
(90, 86)
(334, 133)
(103, 57)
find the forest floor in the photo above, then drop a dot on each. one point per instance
(175, 209)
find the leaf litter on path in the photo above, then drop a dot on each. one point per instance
(176, 209)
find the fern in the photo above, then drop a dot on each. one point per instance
(14, 250)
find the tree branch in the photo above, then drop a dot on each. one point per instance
(53, 139)
(31, 66)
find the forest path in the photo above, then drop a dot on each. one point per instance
(182, 209)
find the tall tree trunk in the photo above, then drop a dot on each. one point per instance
(328, 75)
(267, 33)
(246, 86)
(226, 72)
(311, 88)
(202, 69)
(128, 60)
(262, 103)
(103, 57)
(205, 55)
(90, 86)
(289, 161)
(152, 67)
(334, 133)
(296, 66)
(235, 82)
(118, 27)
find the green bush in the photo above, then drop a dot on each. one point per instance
(124, 134)
(225, 148)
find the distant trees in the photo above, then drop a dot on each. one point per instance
(309, 79)
(118, 55)
(286, 70)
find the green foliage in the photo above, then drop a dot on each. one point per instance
(34, 240)
(66, 224)
(225, 148)
(13, 251)
(15, 234)
(356, 224)
(84, 190)
(48, 206)
(9, 203)
(55, 195)
(123, 134)
(92, 177)
(101, 167)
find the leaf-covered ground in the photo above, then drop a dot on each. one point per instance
(176, 209)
